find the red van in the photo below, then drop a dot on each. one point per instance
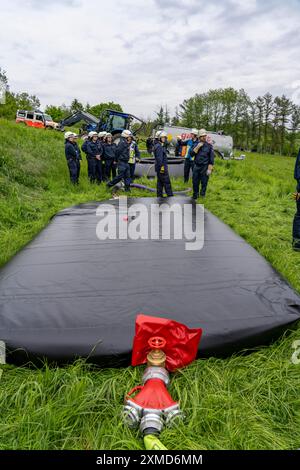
(35, 119)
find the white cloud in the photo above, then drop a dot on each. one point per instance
(150, 52)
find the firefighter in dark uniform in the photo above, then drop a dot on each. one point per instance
(149, 145)
(178, 146)
(79, 153)
(122, 158)
(203, 155)
(87, 139)
(161, 164)
(94, 153)
(109, 156)
(101, 139)
(296, 224)
(73, 157)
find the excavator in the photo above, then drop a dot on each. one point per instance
(89, 119)
(110, 121)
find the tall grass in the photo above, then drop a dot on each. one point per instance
(243, 402)
(249, 402)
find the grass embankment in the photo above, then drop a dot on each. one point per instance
(247, 402)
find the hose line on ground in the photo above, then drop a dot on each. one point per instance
(153, 443)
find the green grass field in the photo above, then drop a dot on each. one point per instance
(243, 402)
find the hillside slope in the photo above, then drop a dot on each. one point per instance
(33, 183)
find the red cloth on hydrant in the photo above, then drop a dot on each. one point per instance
(181, 342)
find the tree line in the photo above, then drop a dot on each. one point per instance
(266, 124)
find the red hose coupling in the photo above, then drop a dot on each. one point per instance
(152, 406)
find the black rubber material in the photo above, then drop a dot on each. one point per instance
(68, 295)
(154, 190)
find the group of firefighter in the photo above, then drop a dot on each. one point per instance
(111, 163)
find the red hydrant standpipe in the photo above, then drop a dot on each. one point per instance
(150, 405)
(153, 404)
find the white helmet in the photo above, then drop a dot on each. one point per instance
(202, 132)
(178, 137)
(160, 134)
(69, 134)
(102, 134)
(126, 133)
(108, 134)
(92, 133)
(194, 131)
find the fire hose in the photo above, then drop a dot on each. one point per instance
(153, 190)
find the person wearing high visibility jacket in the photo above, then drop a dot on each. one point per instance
(134, 155)
(189, 158)
(203, 154)
(161, 164)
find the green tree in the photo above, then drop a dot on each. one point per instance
(167, 117)
(175, 121)
(295, 125)
(26, 101)
(98, 109)
(160, 119)
(285, 111)
(216, 109)
(275, 126)
(57, 112)
(241, 129)
(192, 110)
(3, 86)
(268, 108)
(3, 77)
(229, 98)
(259, 119)
(9, 108)
(76, 106)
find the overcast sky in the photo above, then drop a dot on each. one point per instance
(143, 53)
